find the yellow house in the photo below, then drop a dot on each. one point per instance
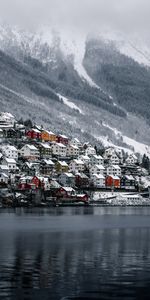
(61, 167)
(48, 136)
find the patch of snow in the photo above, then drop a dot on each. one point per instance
(70, 104)
(138, 147)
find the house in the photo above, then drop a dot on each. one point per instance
(62, 139)
(30, 168)
(61, 167)
(90, 150)
(81, 180)
(112, 156)
(11, 133)
(10, 151)
(72, 150)
(96, 160)
(98, 180)
(85, 159)
(48, 136)
(46, 167)
(114, 170)
(131, 159)
(109, 152)
(65, 192)
(128, 182)
(29, 152)
(59, 149)
(97, 169)
(34, 134)
(112, 181)
(76, 142)
(45, 150)
(67, 179)
(25, 183)
(38, 182)
(4, 178)
(4, 169)
(76, 166)
(10, 163)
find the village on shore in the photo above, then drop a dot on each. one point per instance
(39, 167)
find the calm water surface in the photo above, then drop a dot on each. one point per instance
(75, 253)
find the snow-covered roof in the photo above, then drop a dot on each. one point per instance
(4, 175)
(116, 167)
(48, 161)
(45, 145)
(78, 162)
(99, 167)
(36, 130)
(4, 167)
(63, 136)
(114, 177)
(63, 163)
(68, 189)
(31, 147)
(73, 146)
(98, 176)
(99, 157)
(129, 177)
(70, 175)
(60, 145)
(10, 160)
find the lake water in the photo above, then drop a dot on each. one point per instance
(75, 253)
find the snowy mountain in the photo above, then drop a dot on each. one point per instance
(78, 83)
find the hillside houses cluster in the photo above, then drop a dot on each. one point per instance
(32, 158)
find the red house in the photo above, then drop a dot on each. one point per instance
(113, 181)
(38, 182)
(68, 194)
(34, 134)
(62, 139)
(65, 192)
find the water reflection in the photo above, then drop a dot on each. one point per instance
(96, 263)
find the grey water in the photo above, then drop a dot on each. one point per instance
(75, 253)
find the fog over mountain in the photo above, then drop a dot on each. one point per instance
(78, 66)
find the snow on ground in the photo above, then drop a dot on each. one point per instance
(138, 147)
(70, 104)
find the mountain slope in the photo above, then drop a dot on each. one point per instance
(43, 83)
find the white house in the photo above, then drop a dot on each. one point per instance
(112, 156)
(131, 159)
(96, 160)
(90, 151)
(29, 151)
(10, 151)
(114, 170)
(76, 142)
(98, 180)
(109, 152)
(85, 159)
(10, 163)
(72, 150)
(4, 178)
(4, 169)
(76, 166)
(67, 179)
(59, 149)
(97, 169)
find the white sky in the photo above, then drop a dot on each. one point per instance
(124, 15)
